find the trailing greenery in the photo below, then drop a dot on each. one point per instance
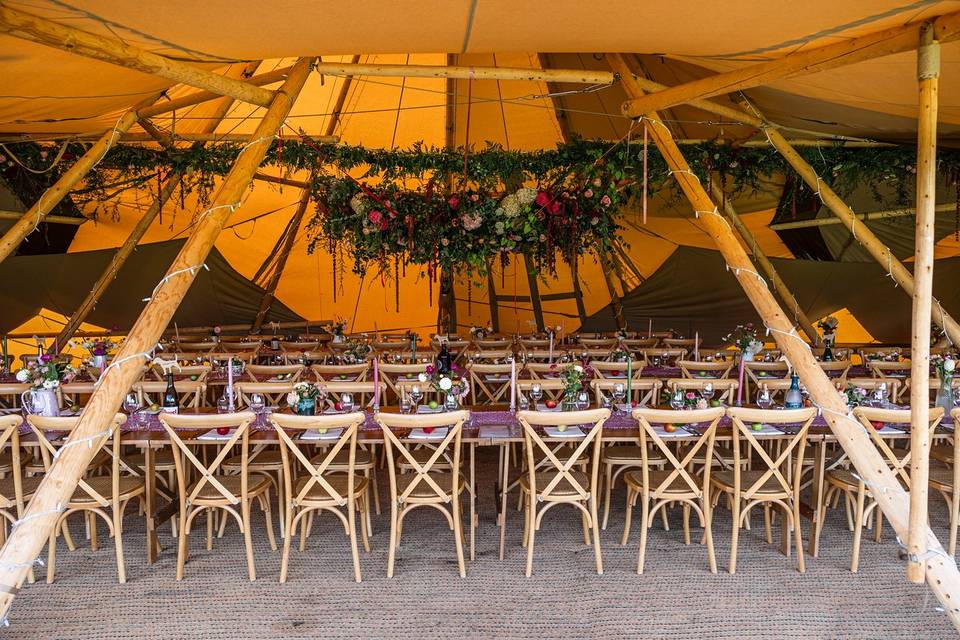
(416, 206)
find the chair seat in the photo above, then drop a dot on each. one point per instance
(721, 454)
(563, 455)
(423, 455)
(941, 478)
(629, 454)
(770, 487)
(162, 460)
(844, 479)
(129, 486)
(6, 461)
(341, 461)
(257, 484)
(8, 493)
(36, 465)
(562, 488)
(318, 494)
(677, 486)
(943, 453)
(424, 490)
(269, 460)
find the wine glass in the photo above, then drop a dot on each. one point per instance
(619, 394)
(956, 397)
(223, 404)
(536, 392)
(583, 401)
(676, 400)
(406, 405)
(257, 403)
(655, 361)
(346, 401)
(416, 394)
(764, 401)
(523, 403)
(707, 392)
(132, 404)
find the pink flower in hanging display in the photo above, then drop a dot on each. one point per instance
(605, 201)
(375, 217)
(454, 202)
(471, 221)
(588, 193)
(543, 198)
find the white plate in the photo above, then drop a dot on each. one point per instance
(213, 435)
(666, 435)
(438, 433)
(569, 432)
(543, 407)
(766, 430)
(313, 434)
(497, 432)
(497, 378)
(422, 408)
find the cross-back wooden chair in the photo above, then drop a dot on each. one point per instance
(759, 371)
(11, 394)
(274, 393)
(606, 344)
(616, 370)
(657, 488)
(772, 481)
(312, 485)
(777, 387)
(546, 370)
(493, 344)
(425, 486)
(882, 354)
(645, 391)
(343, 372)
(191, 393)
(221, 357)
(552, 389)
(541, 356)
(639, 344)
(304, 358)
(490, 356)
(934, 383)
(554, 480)
(72, 392)
(836, 370)
(183, 371)
(859, 499)
(883, 369)
(362, 392)
(724, 389)
(894, 386)
(945, 480)
(666, 357)
(241, 346)
(535, 344)
(391, 373)
(105, 496)
(703, 369)
(202, 346)
(687, 344)
(213, 490)
(15, 489)
(295, 347)
(273, 372)
(592, 353)
(489, 383)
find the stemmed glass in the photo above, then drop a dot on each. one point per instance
(764, 401)
(583, 401)
(956, 397)
(416, 395)
(536, 392)
(655, 361)
(406, 405)
(523, 403)
(346, 401)
(676, 400)
(257, 403)
(132, 404)
(707, 392)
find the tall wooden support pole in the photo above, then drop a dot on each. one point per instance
(928, 74)
(28, 539)
(942, 574)
(769, 271)
(616, 303)
(138, 231)
(867, 238)
(535, 300)
(52, 196)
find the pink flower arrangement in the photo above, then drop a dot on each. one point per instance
(588, 193)
(542, 199)
(375, 217)
(454, 202)
(605, 201)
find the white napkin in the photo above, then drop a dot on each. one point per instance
(313, 434)
(569, 432)
(497, 432)
(438, 433)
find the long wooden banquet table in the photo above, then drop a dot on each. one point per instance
(489, 425)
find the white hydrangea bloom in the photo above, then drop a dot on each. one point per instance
(526, 195)
(23, 375)
(445, 384)
(292, 398)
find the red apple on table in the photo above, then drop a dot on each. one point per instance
(634, 403)
(428, 430)
(551, 404)
(223, 430)
(338, 406)
(876, 425)
(670, 428)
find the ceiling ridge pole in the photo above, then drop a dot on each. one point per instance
(30, 220)
(28, 538)
(942, 574)
(136, 234)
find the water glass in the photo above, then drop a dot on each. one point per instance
(763, 399)
(346, 401)
(676, 400)
(707, 392)
(223, 404)
(583, 401)
(619, 392)
(536, 392)
(523, 403)
(416, 394)
(257, 403)
(406, 405)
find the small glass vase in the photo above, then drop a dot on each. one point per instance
(945, 396)
(569, 402)
(306, 406)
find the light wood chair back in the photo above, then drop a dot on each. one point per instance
(391, 373)
(242, 346)
(666, 356)
(552, 388)
(645, 391)
(245, 357)
(342, 372)
(183, 371)
(493, 345)
(490, 356)
(269, 372)
(13, 498)
(724, 388)
(747, 446)
(639, 344)
(314, 490)
(688, 344)
(489, 383)
(190, 392)
(704, 369)
(296, 347)
(274, 393)
(836, 370)
(11, 394)
(200, 346)
(897, 459)
(616, 370)
(882, 369)
(70, 392)
(304, 357)
(895, 386)
(535, 344)
(598, 343)
(934, 383)
(546, 370)
(362, 392)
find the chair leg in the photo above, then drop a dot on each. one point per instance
(182, 545)
(857, 531)
(878, 529)
(766, 522)
(798, 536)
(708, 532)
(644, 518)
(954, 503)
(631, 496)
(285, 556)
(354, 552)
(686, 524)
(117, 542)
(269, 519)
(663, 516)
(364, 514)
(392, 553)
(531, 534)
(247, 541)
(595, 525)
(458, 536)
(607, 490)
(735, 535)
(65, 529)
(91, 518)
(52, 556)
(376, 493)
(209, 516)
(585, 522)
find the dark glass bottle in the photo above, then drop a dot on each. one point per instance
(171, 401)
(444, 360)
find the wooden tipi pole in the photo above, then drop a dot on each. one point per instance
(942, 574)
(765, 265)
(928, 73)
(52, 196)
(138, 231)
(616, 302)
(27, 539)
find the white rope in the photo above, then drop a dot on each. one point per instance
(32, 516)
(738, 270)
(116, 363)
(169, 276)
(943, 322)
(687, 171)
(89, 440)
(890, 269)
